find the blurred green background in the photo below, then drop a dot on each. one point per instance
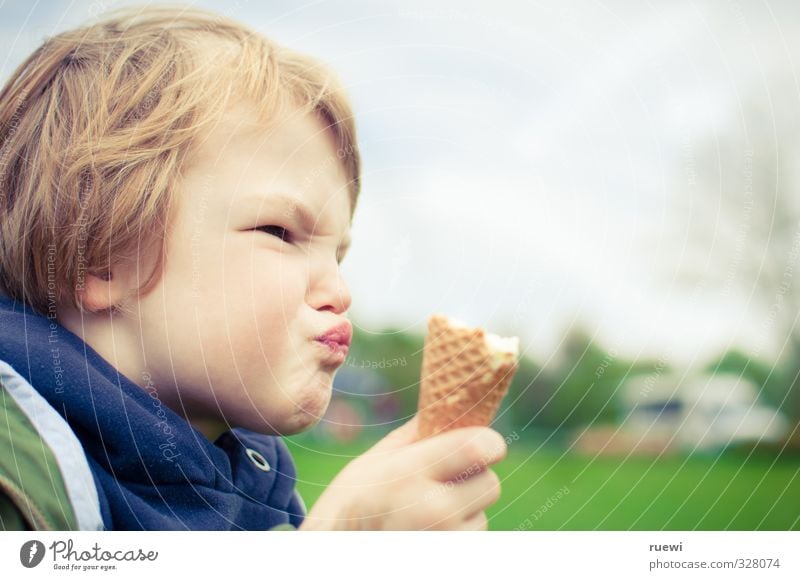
(595, 442)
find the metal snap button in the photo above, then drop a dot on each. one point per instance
(258, 460)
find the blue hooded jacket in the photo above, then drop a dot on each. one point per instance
(151, 468)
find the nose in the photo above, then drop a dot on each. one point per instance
(330, 292)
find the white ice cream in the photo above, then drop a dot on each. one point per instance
(502, 348)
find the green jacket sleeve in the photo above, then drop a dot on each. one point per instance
(33, 494)
(10, 517)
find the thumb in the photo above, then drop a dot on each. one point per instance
(404, 435)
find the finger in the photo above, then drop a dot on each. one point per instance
(460, 453)
(477, 523)
(475, 494)
(400, 437)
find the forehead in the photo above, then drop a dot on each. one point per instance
(291, 162)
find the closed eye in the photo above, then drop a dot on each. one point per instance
(277, 231)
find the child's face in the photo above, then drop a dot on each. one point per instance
(237, 311)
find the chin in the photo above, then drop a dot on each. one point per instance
(300, 423)
(296, 423)
(307, 411)
(288, 413)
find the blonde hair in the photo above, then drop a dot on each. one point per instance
(96, 124)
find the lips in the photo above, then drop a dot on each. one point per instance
(337, 342)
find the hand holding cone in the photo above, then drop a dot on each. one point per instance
(465, 374)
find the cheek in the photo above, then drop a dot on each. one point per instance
(258, 321)
(256, 289)
(272, 296)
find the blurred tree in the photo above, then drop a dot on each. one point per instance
(769, 379)
(589, 382)
(747, 180)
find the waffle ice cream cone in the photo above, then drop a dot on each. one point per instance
(465, 374)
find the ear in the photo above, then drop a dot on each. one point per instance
(102, 291)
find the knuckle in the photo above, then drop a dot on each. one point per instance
(473, 452)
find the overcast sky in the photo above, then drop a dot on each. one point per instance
(532, 166)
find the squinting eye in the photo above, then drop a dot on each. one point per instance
(276, 231)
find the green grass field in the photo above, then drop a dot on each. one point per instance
(546, 489)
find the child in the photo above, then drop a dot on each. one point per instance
(176, 197)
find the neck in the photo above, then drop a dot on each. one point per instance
(118, 342)
(210, 428)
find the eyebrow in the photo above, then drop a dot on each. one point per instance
(298, 208)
